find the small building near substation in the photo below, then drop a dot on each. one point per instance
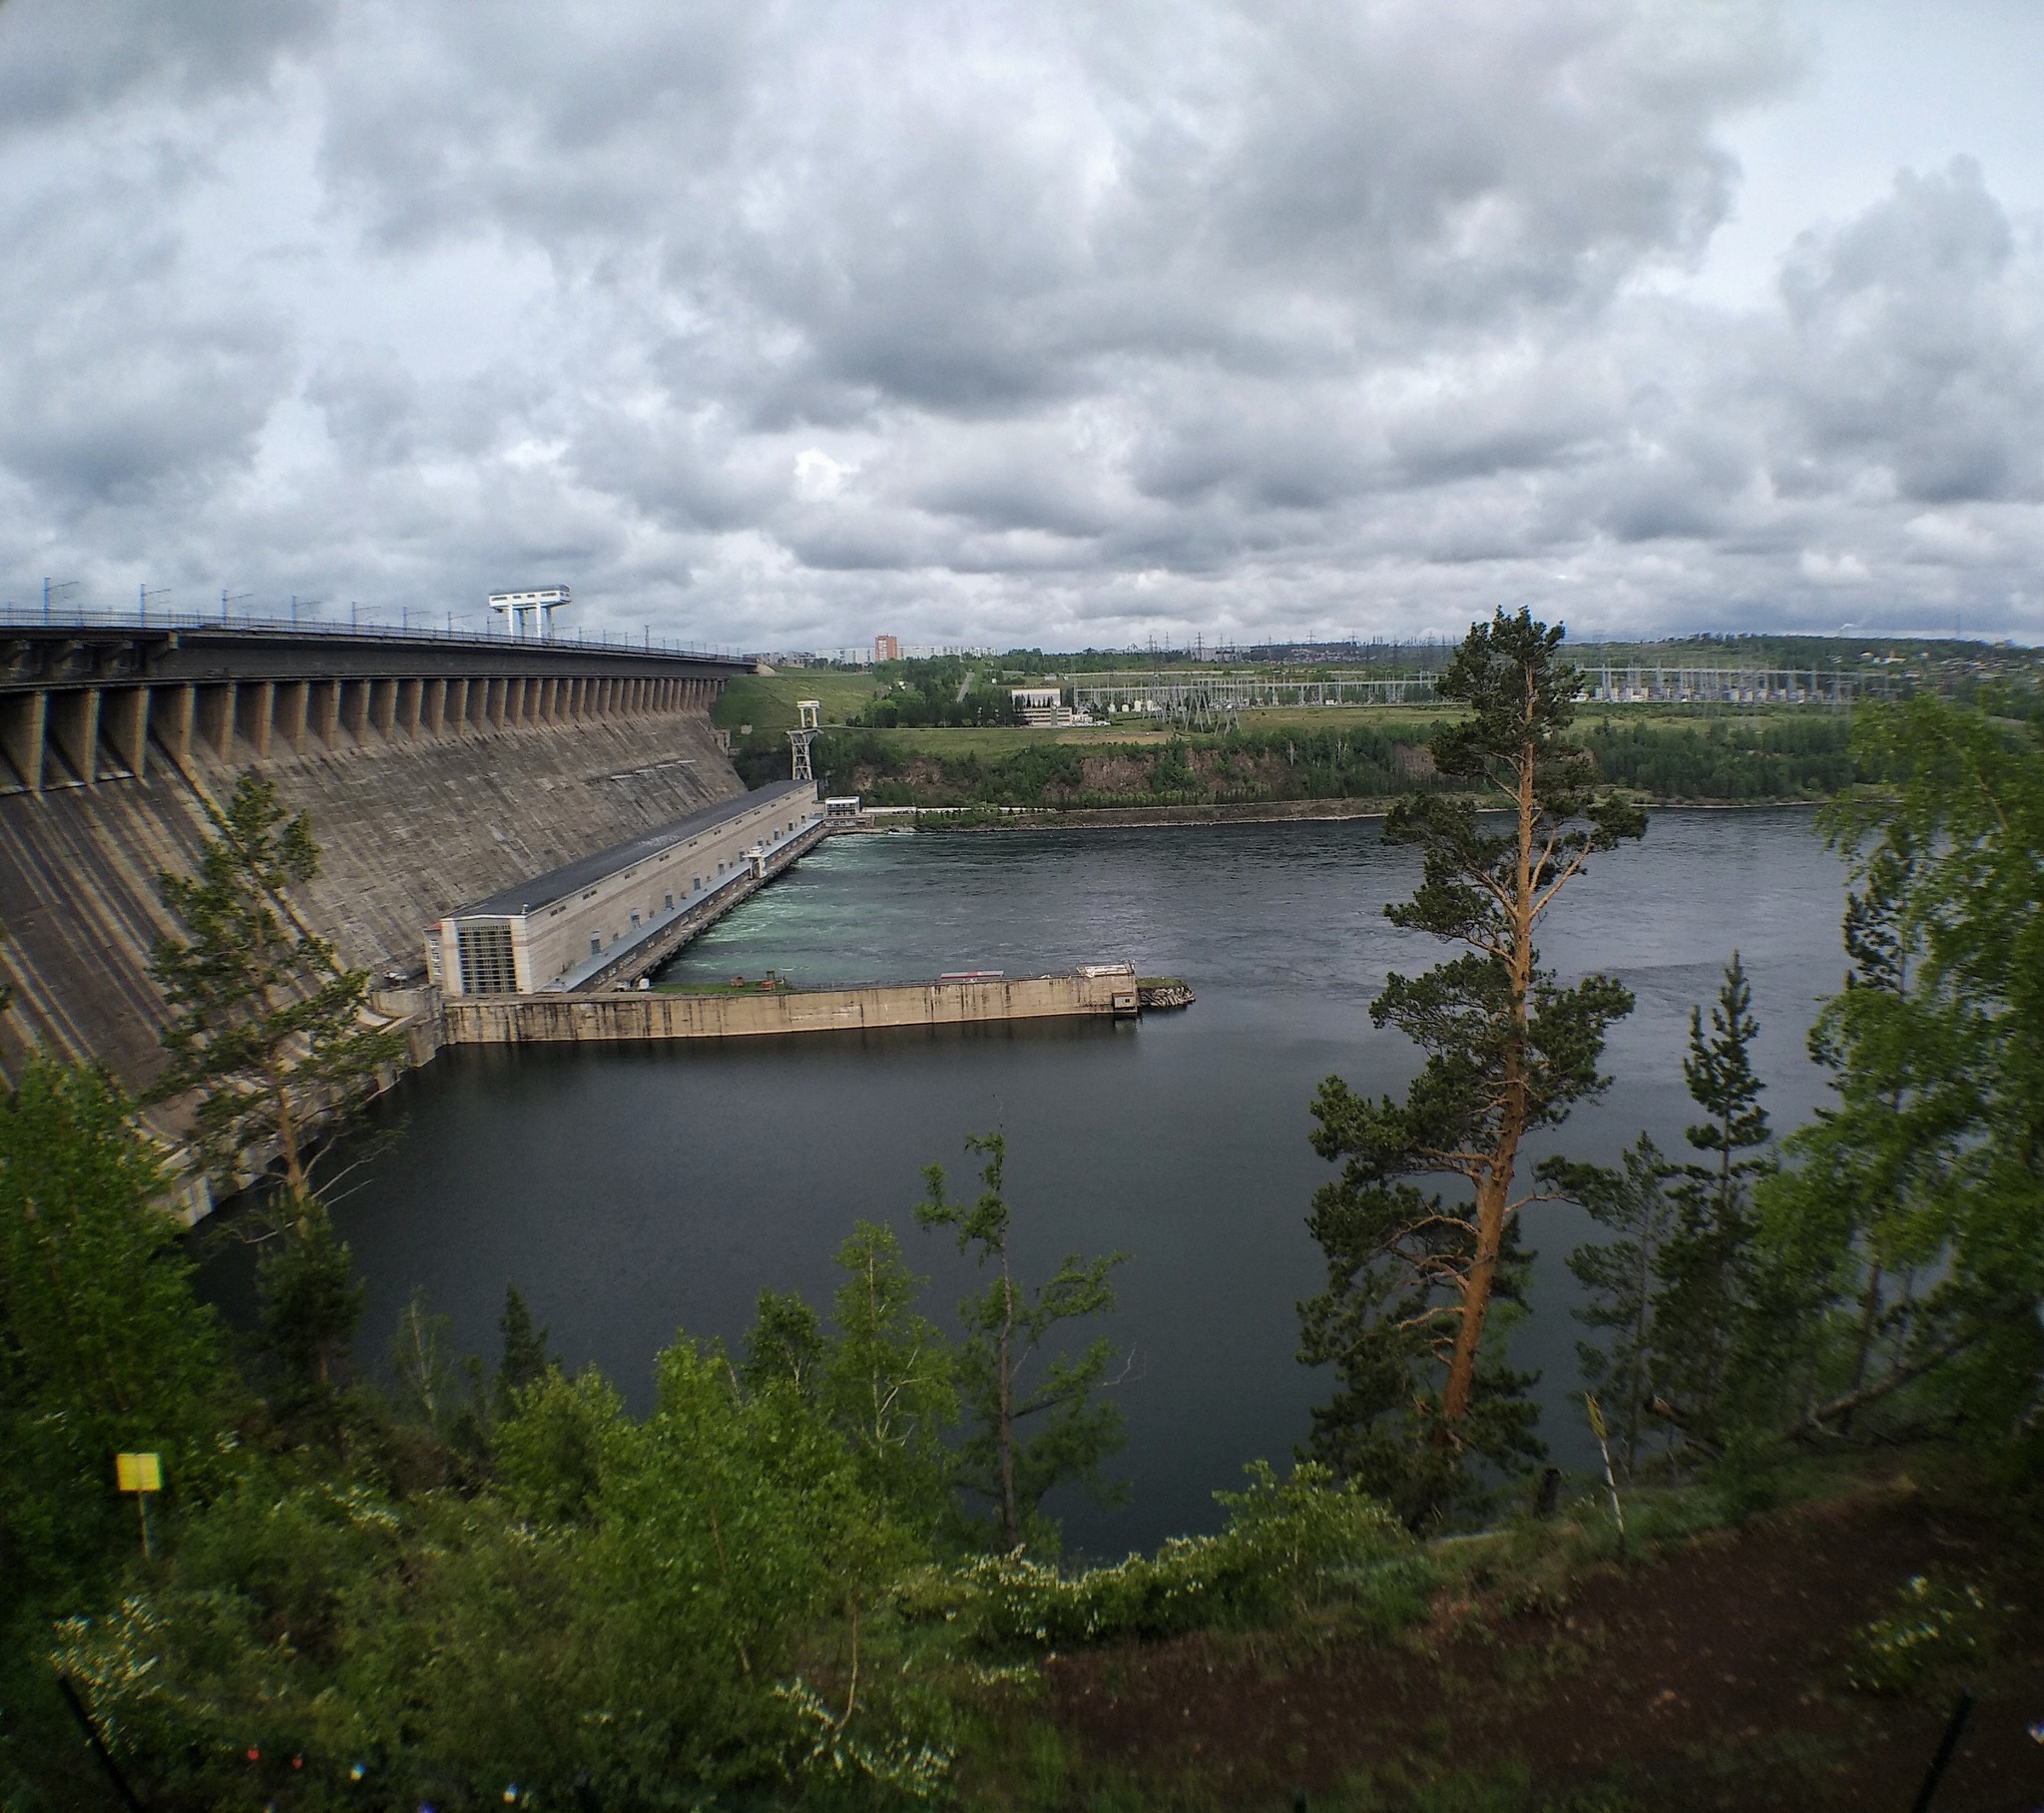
(572, 924)
(1041, 704)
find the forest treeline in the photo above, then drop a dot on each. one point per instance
(1729, 760)
(816, 1569)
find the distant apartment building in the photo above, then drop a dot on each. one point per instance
(886, 647)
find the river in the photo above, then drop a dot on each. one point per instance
(632, 1191)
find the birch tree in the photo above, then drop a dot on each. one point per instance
(1005, 1380)
(1912, 1209)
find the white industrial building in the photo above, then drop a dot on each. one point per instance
(1041, 704)
(618, 912)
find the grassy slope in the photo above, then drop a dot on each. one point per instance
(1707, 1669)
(767, 702)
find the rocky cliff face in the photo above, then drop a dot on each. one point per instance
(406, 830)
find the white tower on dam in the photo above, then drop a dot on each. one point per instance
(810, 715)
(535, 605)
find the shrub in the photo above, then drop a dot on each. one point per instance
(1936, 1621)
(1287, 1546)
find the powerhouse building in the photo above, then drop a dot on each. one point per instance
(583, 923)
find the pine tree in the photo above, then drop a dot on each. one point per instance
(1413, 1274)
(1703, 1290)
(526, 1360)
(1006, 1325)
(1621, 1275)
(268, 1027)
(310, 1305)
(270, 1033)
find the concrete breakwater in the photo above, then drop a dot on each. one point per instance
(593, 1019)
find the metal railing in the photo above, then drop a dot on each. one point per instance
(408, 628)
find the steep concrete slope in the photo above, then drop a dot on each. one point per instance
(406, 830)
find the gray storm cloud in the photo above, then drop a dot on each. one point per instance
(1048, 323)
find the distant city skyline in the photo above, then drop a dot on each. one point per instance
(1049, 325)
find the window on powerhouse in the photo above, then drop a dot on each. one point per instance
(487, 966)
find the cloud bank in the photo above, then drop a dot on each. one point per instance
(779, 324)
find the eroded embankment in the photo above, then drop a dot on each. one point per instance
(405, 832)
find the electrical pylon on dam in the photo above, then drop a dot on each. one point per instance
(809, 712)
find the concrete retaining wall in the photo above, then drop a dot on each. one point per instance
(604, 1019)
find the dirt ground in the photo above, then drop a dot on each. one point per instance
(1711, 1678)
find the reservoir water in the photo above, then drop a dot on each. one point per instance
(631, 1191)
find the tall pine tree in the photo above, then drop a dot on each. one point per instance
(270, 1030)
(269, 1035)
(1705, 1288)
(1413, 1274)
(1621, 1275)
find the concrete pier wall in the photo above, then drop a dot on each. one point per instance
(608, 1019)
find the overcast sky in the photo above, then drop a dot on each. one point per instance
(1050, 322)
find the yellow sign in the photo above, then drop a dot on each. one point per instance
(138, 1472)
(1596, 1415)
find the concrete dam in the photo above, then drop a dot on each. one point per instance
(437, 769)
(512, 832)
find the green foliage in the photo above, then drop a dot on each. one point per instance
(311, 1303)
(1422, 1388)
(552, 1453)
(1366, 760)
(882, 1377)
(1905, 1242)
(1936, 1623)
(1379, 1324)
(1288, 1546)
(654, 1609)
(526, 1359)
(1705, 1296)
(102, 1347)
(437, 1389)
(1734, 759)
(941, 689)
(1007, 1325)
(268, 1026)
(785, 1345)
(1620, 1277)
(888, 1385)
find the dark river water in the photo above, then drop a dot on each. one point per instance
(634, 1192)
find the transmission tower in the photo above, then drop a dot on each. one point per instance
(810, 711)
